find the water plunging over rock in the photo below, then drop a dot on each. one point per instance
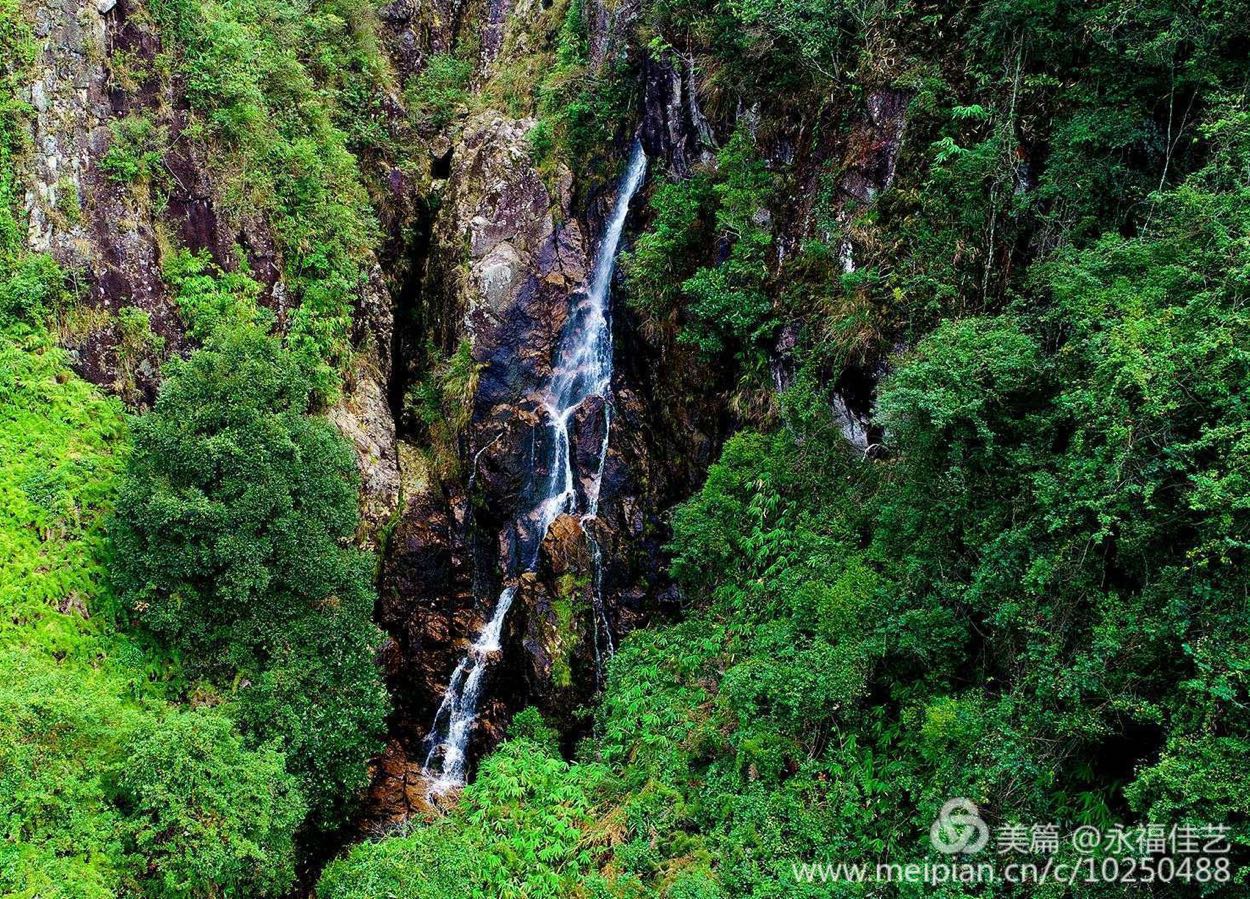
(581, 370)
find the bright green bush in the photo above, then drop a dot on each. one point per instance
(667, 253)
(729, 307)
(103, 796)
(724, 306)
(137, 150)
(62, 447)
(33, 288)
(320, 698)
(235, 502)
(62, 734)
(207, 816)
(208, 297)
(518, 832)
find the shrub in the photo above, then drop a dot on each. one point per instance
(105, 789)
(281, 153)
(206, 295)
(206, 816)
(434, 95)
(137, 151)
(519, 832)
(667, 253)
(33, 288)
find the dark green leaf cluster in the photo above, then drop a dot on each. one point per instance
(721, 306)
(232, 543)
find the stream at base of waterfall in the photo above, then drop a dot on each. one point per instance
(582, 369)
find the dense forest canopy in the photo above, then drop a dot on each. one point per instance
(1012, 238)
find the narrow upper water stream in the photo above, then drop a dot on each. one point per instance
(582, 368)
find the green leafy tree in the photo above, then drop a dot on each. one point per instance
(61, 735)
(232, 542)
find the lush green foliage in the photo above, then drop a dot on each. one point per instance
(205, 813)
(434, 95)
(1036, 598)
(104, 796)
(97, 770)
(207, 297)
(728, 305)
(442, 404)
(232, 544)
(519, 831)
(724, 305)
(62, 447)
(667, 253)
(109, 784)
(221, 535)
(137, 150)
(276, 119)
(18, 48)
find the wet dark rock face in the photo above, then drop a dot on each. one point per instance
(609, 26)
(673, 127)
(874, 145)
(498, 276)
(426, 600)
(509, 255)
(865, 150)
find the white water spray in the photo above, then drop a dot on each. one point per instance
(582, 369)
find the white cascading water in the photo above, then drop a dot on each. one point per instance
(582, 369)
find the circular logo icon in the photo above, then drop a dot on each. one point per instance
(959, 828)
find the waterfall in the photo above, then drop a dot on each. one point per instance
(581, 369)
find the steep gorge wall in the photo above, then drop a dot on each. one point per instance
(498, 276)
(482, 246)
(92, 226)
(103, 66)
(512, 242)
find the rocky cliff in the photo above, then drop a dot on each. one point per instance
(483, 235)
